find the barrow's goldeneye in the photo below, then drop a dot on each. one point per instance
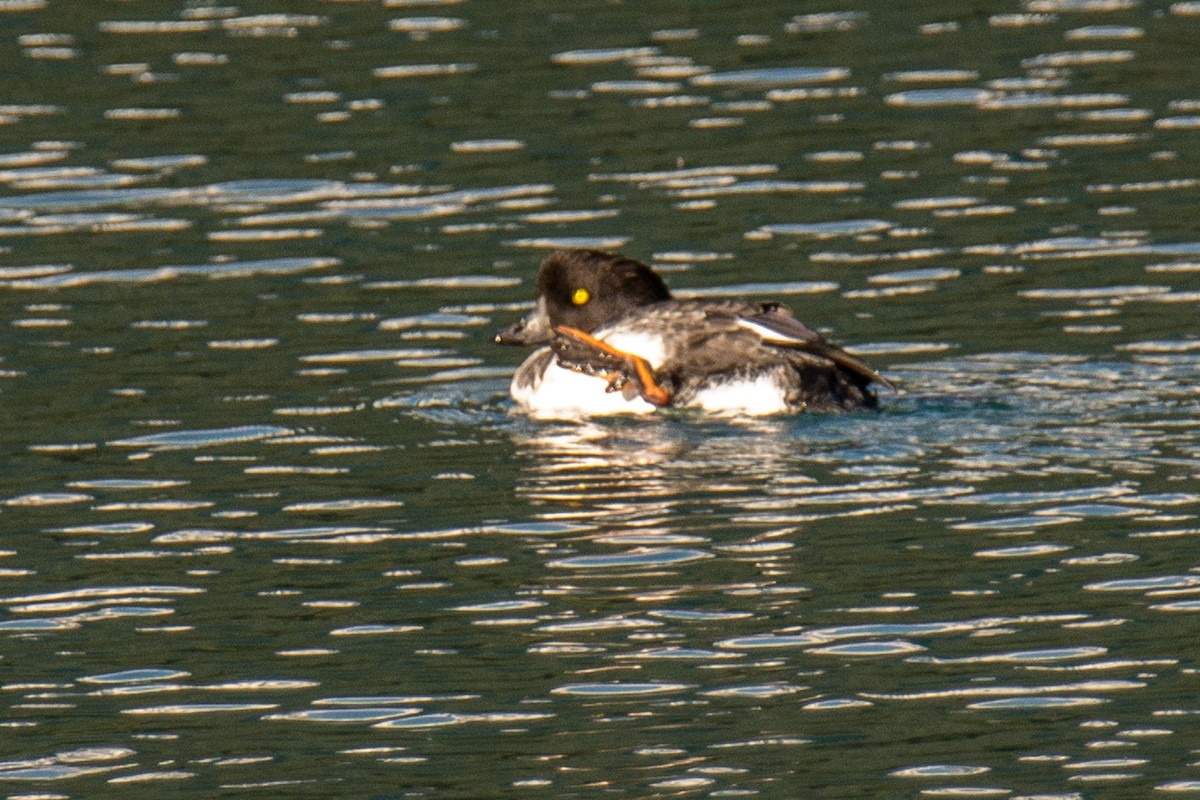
(619, 343)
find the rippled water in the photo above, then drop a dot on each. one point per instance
(271, 527)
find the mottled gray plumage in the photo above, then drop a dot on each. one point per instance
(709, 341)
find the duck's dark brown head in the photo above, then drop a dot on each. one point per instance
(585, 290)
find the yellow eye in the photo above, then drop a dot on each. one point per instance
(580, 296)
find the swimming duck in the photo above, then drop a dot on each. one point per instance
(616, 341)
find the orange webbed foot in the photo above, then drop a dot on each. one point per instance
(635, 379)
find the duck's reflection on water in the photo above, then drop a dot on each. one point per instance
(640, 473)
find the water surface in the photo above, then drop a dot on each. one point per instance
(272, 528)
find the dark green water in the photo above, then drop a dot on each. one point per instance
(270, 527)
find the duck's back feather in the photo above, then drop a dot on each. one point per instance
(697, 347)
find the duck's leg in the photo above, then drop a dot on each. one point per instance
(623, 370)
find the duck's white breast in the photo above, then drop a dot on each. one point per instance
(558, 393)
(546, 390)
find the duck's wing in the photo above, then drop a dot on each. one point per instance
(628, 373)
(775, 325)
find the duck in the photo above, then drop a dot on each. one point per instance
(612, 339)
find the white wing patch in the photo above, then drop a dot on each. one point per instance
(649, 346)
(769, 334)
